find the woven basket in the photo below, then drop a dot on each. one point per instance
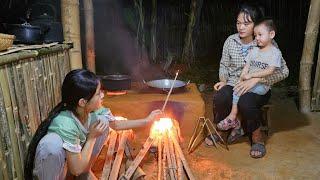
(6, 41)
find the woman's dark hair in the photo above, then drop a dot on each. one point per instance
(252, 10)
(77, 84)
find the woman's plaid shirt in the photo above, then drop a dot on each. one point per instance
(232, 63)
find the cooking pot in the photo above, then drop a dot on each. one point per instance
(165, 84)
(116, 82)
(26, 33)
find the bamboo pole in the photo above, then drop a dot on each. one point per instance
(4, 167)
(153, 44)
(310, 40)
(31, 118)
(48, 80)
(89, 26)
(140, 32)
(34, 92)
(27, 54)
(316, 86)
(9, 58)
(188, 38)
(22, 103)
(195, 132)
(192, 146)
(12, 134)
(55, 80)
(169, 93)
(215, 130)
(40, 88)
(16, 119)
(71, 30)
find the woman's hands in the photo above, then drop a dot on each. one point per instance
(154, 115)
(244, 86)
(98, 128)
(244, 77)
(219, 85)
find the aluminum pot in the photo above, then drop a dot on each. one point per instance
(165, 84)
(116, 82)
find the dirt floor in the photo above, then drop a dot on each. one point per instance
(292, 149)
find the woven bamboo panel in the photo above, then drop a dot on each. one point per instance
(29, 89)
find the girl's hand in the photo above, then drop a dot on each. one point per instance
(154, 115)
(97, 128)
(244, 86)
(219, 85)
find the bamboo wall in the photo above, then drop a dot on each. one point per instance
(30, 84)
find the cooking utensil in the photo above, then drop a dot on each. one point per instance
(116, 82)
(26, 33)
(165, 84)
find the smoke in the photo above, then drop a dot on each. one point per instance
(117, 51)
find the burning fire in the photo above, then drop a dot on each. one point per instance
(120, 118)
(161, 126)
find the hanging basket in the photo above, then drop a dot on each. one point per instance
(6, 41)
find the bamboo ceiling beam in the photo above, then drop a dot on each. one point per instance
(306, 62)
(71, 30)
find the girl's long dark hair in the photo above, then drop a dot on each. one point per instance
(77, 84)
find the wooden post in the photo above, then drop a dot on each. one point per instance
(172, 155)
(138, 159)
(164, 168)
(183, 159)
(169, 159)
(71, 30)
(310, 40)
(89, 25)
(159, 157)
(109, 157)
(117, 161)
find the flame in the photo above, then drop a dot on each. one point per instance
(161, 126)
(120, 118)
